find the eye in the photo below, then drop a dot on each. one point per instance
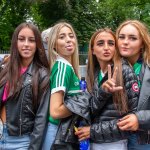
(71, 36)
(100, 43)
(121, 37)
(133, 38)
(110, 43)
(21, 39)
(61, 37)
(32, 40)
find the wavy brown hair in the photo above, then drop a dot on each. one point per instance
(119, 97)
(11, 72)
(144, 34)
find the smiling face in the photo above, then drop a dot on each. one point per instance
(66, 42)
(130, 43)
(104, 47)
(26, 44)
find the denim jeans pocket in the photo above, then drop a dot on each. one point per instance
(1, 128)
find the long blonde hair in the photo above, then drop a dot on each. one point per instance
(52, 53)
(119, 97)
(144, 34)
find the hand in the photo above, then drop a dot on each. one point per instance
(83, 133)
(129, 122)
(110, 84)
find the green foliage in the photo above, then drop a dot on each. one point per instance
(85, 16)
(12, 13)
(46, 13)
(77, 12)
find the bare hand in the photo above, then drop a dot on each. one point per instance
(110, 84)
(129, 122)
(83, 133)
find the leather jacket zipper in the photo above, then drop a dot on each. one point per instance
(20, 125)
(30, 110)
(21, 113)
(148, 137)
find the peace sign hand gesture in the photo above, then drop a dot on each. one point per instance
(110, 84)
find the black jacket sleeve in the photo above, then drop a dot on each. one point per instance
(143, 119)
(143, 112)
(98, 99)
(106, 131)
(79, 104)
(36, 137)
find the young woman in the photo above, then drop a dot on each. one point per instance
(63, 55)
(113, 94)
(24, 91)
(134, 44)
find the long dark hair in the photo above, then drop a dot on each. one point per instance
(11, 72)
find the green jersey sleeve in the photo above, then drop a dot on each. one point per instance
(60, 77)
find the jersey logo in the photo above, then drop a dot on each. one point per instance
(76, 83)
(135, 87)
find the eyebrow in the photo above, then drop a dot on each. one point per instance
(104, 40)
(111, 41)
(65, 33)
(129, 34)
(24, 36)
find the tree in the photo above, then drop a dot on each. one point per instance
(85, 16)
(12, 14)
(77, 12)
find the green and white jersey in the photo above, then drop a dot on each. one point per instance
(64, 78)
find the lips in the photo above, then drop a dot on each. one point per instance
(26, 51)
(124, 49)
(106, 54)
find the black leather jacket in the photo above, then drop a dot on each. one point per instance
(21, 118)
(79, 106)
(143, 110)
(105, 116)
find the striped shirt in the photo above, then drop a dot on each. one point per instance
(63, 78)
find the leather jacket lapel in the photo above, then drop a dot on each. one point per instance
(27, 79)
(145, 89)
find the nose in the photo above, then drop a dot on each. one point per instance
(68, 39)
(26, 42)
(125, 41)
(106, 47)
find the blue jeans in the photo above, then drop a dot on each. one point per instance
(50, 136)
(13, 142)
(119, 145)
(133, 144)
